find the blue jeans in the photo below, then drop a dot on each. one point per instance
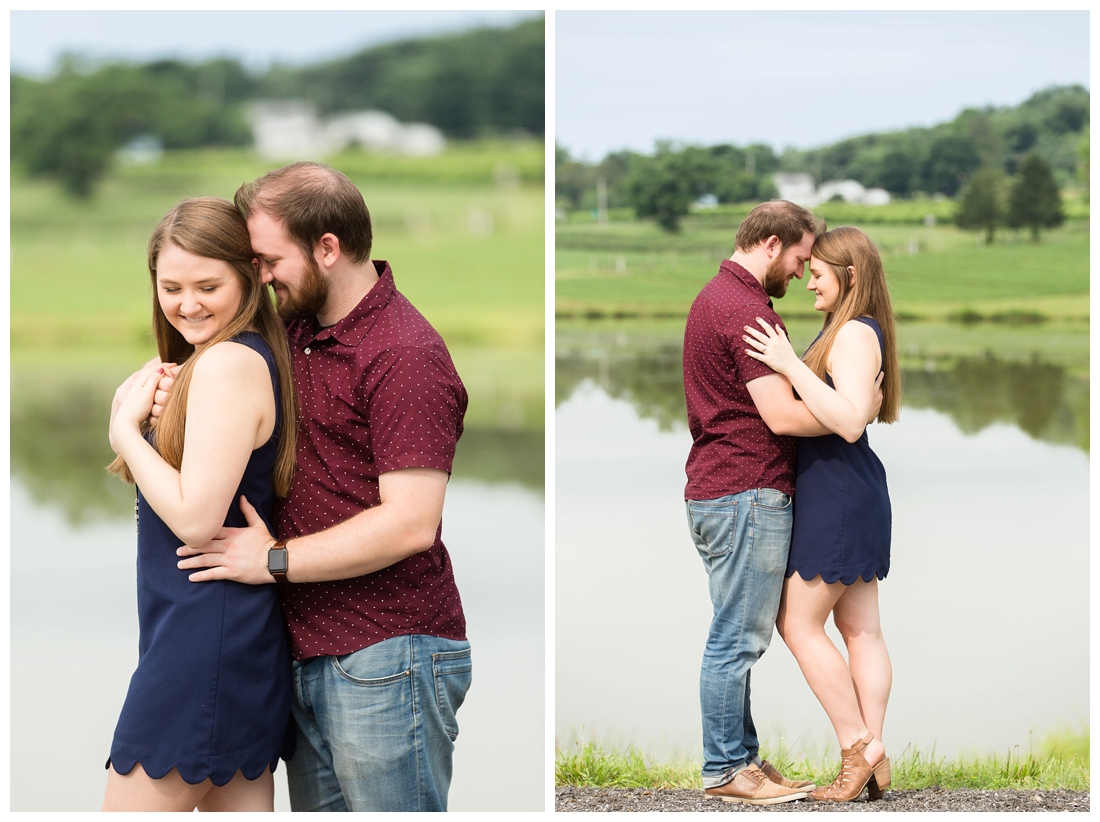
(744, 540)
(376, 728)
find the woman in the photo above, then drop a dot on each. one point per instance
(208, 707)
(840, 544)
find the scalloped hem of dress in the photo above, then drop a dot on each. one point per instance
(815, 574)
(193, 770)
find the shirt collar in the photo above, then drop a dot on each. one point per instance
(353, 326)
(742, 274)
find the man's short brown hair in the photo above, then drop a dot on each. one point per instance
(310, 200)
(782, 218)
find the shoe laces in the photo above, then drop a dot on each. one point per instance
(756, 775)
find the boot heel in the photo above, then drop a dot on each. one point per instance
(880, 780)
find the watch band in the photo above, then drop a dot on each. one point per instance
(277, 560)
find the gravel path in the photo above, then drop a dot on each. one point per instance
(930, 799)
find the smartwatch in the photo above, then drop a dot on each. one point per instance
(277, 558)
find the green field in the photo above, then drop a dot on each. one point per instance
(630, 269)
(463, 231)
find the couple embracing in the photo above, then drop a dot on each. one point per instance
(296, 459)
(787, 504)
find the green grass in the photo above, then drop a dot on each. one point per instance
(917, 211)
(1061, 763)
(464, 233)
(631, 269)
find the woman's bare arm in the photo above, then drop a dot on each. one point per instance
(854, 364)
(230, 411)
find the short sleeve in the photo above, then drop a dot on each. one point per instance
(415, 412)
(748, 367)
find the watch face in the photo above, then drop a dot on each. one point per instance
(276, 561)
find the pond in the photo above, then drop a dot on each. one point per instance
(74, 611)
(986, 607)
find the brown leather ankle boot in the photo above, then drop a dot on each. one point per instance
(855, 775)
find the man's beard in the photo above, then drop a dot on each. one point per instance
(775, 282)
(311, 296)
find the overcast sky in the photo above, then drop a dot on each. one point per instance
(256, 38)
(803, 79)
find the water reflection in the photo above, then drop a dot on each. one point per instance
(59, 448)
(72, 582)
(977, 392)
(1038, 397)
(73, 599)
(646, 372)
(985, 610)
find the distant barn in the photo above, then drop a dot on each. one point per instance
(799, 188)
(292, 129)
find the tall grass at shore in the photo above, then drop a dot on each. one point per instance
(1060, 763)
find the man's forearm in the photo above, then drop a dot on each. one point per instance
(781, 412)
(404, 523)
(795, 420)
(370, 541)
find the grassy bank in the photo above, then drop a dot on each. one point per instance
(1061, 762)
(629, 269)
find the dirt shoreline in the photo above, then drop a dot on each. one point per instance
(568, 798)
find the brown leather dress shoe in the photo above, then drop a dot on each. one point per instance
(752, 787)
(775, 776)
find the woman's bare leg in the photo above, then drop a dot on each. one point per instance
(137, 791)
(241, 794)
(856, 617)
(803, 609)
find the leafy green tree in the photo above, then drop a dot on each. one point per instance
(1034, 201)
(615, 170)
(467, 84)
(575, 182)
(664, 186)
(950, 159)
(71, 126)
(571, 179)
(938, 159)
(981, 203)
(1022, 135)
(742, 175)
(898, 169)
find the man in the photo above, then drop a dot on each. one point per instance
(740, 483)
(381, 661)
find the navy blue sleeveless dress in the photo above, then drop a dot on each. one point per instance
(211, 693)
(841, 506)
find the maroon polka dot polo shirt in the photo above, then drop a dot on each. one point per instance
(733, 450)
(378, 392)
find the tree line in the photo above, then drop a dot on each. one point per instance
(69, 126)
(989, 201)
(1050, 127)
(938, 160)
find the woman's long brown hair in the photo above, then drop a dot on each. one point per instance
(213, 228)
(868, 296)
